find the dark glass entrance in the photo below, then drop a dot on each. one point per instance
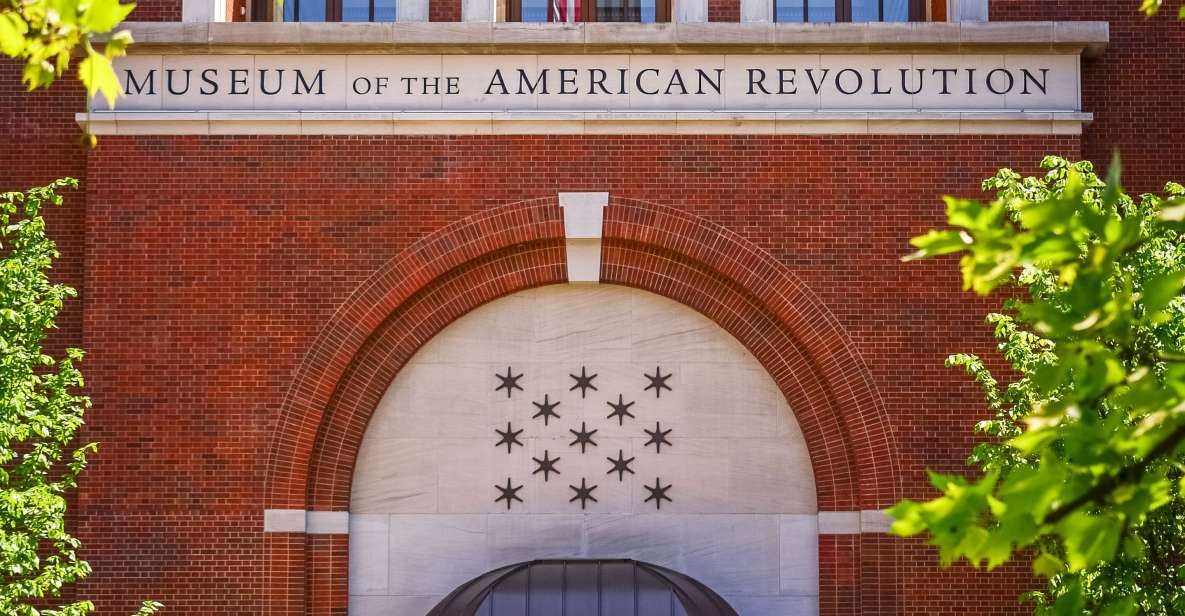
(583, 588)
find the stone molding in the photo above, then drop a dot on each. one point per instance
(869, 521)
(1089, 37)
(565, 122)
(584, 216)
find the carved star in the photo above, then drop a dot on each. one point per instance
(509, 437)
(620, 410)
(546, 465)
(509, 382)
(546, 409)
(583, 437)
(658, 493)
(621, 466)
(658, 381)
(584, 493)
(509, 493)
(658, 437)
(584, 382)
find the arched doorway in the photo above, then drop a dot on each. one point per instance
(576, 421)
(583, 587)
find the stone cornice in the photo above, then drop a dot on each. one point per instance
(1088, 37)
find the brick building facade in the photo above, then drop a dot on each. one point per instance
(248, 298)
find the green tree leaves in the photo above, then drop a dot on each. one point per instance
(1084, 467)
(45, 33)
(41, 412)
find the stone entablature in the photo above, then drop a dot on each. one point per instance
(987, 78)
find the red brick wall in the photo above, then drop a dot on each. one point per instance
(213, 261)
(1129, 88)
(444, 10)
(724, 10)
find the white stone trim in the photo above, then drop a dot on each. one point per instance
(871, 521)
(301, 521)
(839, 522)
(757, 11)
(691, 11)
(284, 520)
(411, 10)
(584, 215)
(968, 10)
(197, 11)
(327, 522)
(875, 521)
(477, 10)
(576, 122)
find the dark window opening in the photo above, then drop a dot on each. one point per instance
(339, 10)
(830, 11)
(556, 11)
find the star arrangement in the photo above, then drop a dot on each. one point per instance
(583, 438)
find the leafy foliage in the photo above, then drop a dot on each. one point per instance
(45, 33)
(1083, 470)
(40, 414)
(1152, 7)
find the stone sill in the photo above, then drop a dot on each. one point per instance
(1088, 37)
(583, 122)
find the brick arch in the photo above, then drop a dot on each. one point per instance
(519, 246)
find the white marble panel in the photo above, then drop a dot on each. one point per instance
(469, 469)
(433, 554)
(653, 538)
(770, 82)
(773, 606)
(515, 538)
(369, 554)
(742, 486)
(734, 554)
(799, 537)
(403, 605)
(395, 475)
(767, 476)
(697, 470)
(394, 82)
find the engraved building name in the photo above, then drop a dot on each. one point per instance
(608, 83)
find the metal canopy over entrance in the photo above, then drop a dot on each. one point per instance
(583, 588)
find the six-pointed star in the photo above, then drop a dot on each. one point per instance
(621, 466)
(658, 437)
(546, 409)
(509, 437)
(546, 465)
(658, 381)
(509, 381)
(508, 493)
(657, 493)
(583, 437)
(621, 410)
(584, 382)
(584, 493)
